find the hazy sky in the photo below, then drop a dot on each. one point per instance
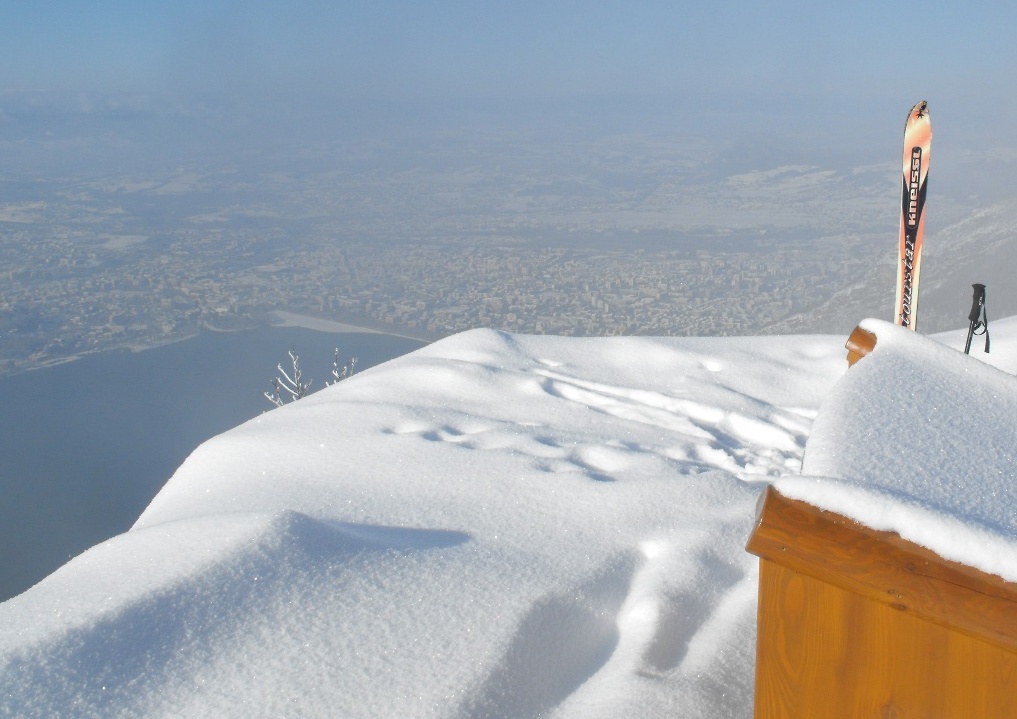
(861, 59)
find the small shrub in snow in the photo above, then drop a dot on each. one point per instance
(339, 373)
(290, 386)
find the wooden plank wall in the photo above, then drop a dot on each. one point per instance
(855, 623)
(825, 653)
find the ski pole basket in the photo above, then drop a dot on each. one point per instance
(977, 318)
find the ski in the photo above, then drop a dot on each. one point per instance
(917, 143)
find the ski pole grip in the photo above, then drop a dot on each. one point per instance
(859, 344)
(977, 302)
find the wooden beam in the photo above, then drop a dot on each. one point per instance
(859, 343)
(885, 568)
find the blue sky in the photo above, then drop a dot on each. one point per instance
(855, 57)
(392, 47)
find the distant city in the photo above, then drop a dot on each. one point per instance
(627, 236)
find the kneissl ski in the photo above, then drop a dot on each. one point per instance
(917, 142)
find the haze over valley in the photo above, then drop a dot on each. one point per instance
(572, 229)
(580, 169)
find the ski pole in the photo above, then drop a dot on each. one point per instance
(975, 317)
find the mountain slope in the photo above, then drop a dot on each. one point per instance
(981, 247)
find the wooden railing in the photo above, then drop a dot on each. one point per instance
(855, 622)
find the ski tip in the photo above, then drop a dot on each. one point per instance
(918, 119)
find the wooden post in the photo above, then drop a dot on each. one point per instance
(859, 343)
(855, 623)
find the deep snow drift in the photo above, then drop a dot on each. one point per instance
(921, 441)
(493, 526)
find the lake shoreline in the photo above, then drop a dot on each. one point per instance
(280, 319)
(88, 443)
(285, 318)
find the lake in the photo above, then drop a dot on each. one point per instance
(86, 445)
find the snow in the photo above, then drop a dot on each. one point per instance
(919, 439)
(493, 526)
